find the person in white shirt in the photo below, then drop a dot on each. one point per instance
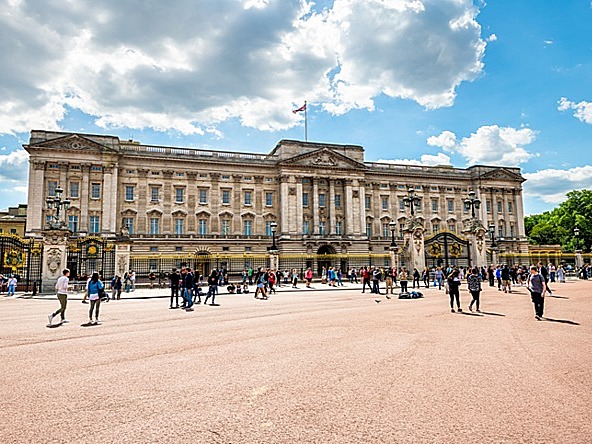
(62, 293)
(11, 285)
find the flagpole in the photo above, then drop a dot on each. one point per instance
(305, 122)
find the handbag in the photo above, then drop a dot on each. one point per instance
(102, 294)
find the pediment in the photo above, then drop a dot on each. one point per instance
(502, 174)
(74, 142)
(323, 158)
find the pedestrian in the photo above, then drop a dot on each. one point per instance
(174, 283)
(271, 279)
(474, 284)
(506, 283)
(116, 287)
(187, 278)
(212, 287)
(250, 275)
(152, 278)
(307, 277)
(454, 290)
(545, 274)
(94, 288)
(498, 277)
(376, 276)
(261, 280)
(561, 274)
(366, 279)
(388, 282)
(403, 277)
(197, 293)
(426, 277)
(491, 275)
(62, 294)
(439, 277)
(415, 277)
(12, 286)
(126, 282)
(295, 278)
(537, 287)
(132, 278)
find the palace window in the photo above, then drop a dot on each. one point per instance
(225, 227)
(248, 195)
(51, 187)
(322, 228)
(179, 195)
(269, 199)
(203, 196)
(129, 221)
(268, 228)
(305, 227)
(434, 205)
(385, 231)
(488, 205)
(510, 207)
(499, 206)
(226, 197)
(74, 190)
(305, 199)
(338, 228)
(401, 205)
(94, 224)
(452, 227)
(129, 192)
(179, 226)
(369, 229)
(385, 203)
(73, 224)
(154, 194)
(338, 201)
(367, 202)
(321, 200)
(512, 231)
(95, 191)
(154, 225)
(202, 227)
(435, 228)
(450, 204)
(248, 227)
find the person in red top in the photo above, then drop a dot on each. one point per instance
(366, 279)
(308, 277)
(271, 280)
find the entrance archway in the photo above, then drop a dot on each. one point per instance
(325, 257)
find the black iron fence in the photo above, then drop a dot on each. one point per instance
(21, 258)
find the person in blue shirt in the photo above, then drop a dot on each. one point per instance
(94, 287)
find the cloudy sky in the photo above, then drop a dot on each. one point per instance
(429, 82)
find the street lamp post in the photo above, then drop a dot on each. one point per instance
(577, 234)
(578, 253)
(58, 203)
(472, 203)
(273, 226)
(393, 228)
(411, 200)
(493, 244)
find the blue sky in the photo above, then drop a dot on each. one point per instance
(413, 81)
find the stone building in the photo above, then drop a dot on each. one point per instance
(13, 220)
(325, 198)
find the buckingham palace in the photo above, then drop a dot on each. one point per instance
(312, 197)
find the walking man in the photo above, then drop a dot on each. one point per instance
(11, 285)
(62, 293)
(537, 287)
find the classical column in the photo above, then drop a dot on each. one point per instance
(237, 202)
(284, 206)
(258, 204)
(167, 203)
(315, 206)
(192, 198)
(299, 210)
(332, 218)
(216, 207)
(376, 210)
(505, 212)
(362, 219)
(108, 201)
(520, 230)
(348, 230)
(35, 223)
(143, 198)
(84, 197)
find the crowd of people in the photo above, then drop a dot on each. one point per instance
(188, 287)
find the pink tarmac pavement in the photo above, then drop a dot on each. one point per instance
(303, 367)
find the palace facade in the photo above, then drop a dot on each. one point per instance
(325, 198)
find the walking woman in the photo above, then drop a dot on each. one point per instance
(454, 290)
(307, 276)
(94, 287)
(212, 286)
(295, 278)
(474, 283)
(426, 277)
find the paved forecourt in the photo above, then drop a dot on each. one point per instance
(316, 366)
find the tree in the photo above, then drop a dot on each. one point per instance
(557, 226)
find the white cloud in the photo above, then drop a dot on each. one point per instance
(552, 185)
(489, 145)
(492, 38)
(14, 166)
(583, 110)
(206, 62)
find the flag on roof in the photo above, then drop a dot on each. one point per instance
(302, 108)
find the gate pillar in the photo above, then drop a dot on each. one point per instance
(54, 258)
(415, 241)
(122, 257)
(274, 261)
(476, 240)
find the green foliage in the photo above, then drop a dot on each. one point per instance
(557, 226)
